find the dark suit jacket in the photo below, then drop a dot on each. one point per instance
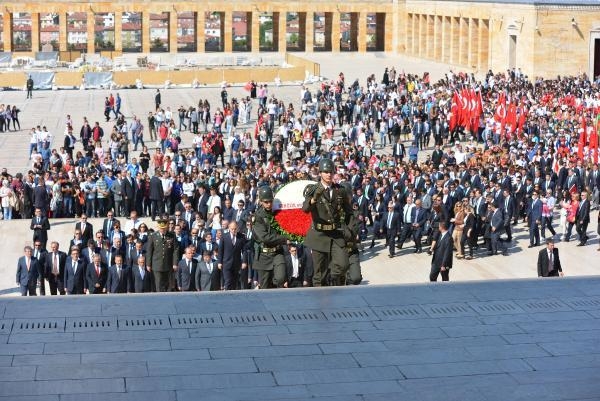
(49, 260)
(105, 227)
(40, 198)
(74, 281)
(114, 285)
(127, 190)
(86, 235)
(289, 268)
(186, 280)
(230, 256)
(92, 278)
(442, 253)
(510, 210)
(395, 223)
(25, 277)
(156, 189)
(534, 211)
(40, 233)
(583, 212)
(137, 283)
(205, 280)
(542, 263)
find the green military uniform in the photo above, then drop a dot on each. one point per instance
(161, 255)
(354, 276)
(329, 233)
(268, 253)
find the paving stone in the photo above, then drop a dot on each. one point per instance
(344, 348)
(544, 338)
(200, 382)
(417, 356)
(62, 387)
(572, 347)
(24, 338)
(498, 380)
(6, 360)
(107, 346)
(238, 331)
(324, 327)
(556, 326)
(46, 397)
(201, 366)
(20, 349)
(481, 330)
(214, 342)
(129, 396)
(145, 356)
(51, 359)
(444, 342)
(565, 362)
(307, 362)
(399, 334)
(19, 373)
(315, 376)
(492, 352)
(551, 391)
(552, 376)
(553, 316)
(426, 322)
(371, 387)
(273, 350)
(464, 368)
(90, 371)
(246, 394)
(131, 335)
(312, 338)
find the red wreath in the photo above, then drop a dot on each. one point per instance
(293, 223)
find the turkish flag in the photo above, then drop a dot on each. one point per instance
(580, 145)
(594, 144)
(500, 113)
(454, 112)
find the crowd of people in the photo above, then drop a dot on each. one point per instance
(460, 161)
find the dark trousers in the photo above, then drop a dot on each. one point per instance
(581, 230)
(295, 282)
(326, 267)
(56, 285)
(157, 208)
(433, 276)
(547, 223)
(271, 278)
(534, 233)
(405, 233)
(417, 234)
(232, 278)
(391, 241)
(161, 280)
(28, 289)
(42, 286)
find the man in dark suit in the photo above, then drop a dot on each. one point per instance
(88, 252)
(40, 226)
(441, 261)
(74, 273)
(509, 210)
(27, 273)
(141, 280)
(208, 276)
(39, 253)
(534, 219)
(54, 264)
(548, 263)
(202, 201)
(496, 228)
(96, 275)
(118, 278)
(156, 194)
(133, 254)
(582, 218)
(186, 271)
(208, 244)
(230, 257)
(127, 194)
(390, 224)
(40, 197)
(294, 267)
(419, 216)
(108, 224)
(86, 229)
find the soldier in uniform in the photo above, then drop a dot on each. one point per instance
(162, 255)
(354, 276)
(330, 232)
(269, 260)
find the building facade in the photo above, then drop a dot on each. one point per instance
(542, 37)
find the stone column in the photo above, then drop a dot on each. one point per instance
(200, 33)
(254, 16)
(146, 32)
(35, 32)
(335, 31)
(227, 34)
(62, 32)
(91, 32)
(281, 31)
(362, 32)
(118, 31)
(173, 31)
(309, 22)
(7, 31)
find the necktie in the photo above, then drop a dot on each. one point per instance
(209, 267)
(407, 215)
(550, 262)
(233, 240)
(189, 266)
(208, 247)
(55, 265)
(97, 270)
(28, 263)
(119, 272)
(74, 267)
(141, 272)
(389, 223)
(38, 220)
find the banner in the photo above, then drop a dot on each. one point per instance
(5, 57)
(98, 80)
(41, 79)
(46, 56)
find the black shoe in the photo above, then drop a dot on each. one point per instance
(390, 256)
(372, 245)
(419, 251)
(505, 253)
(530, 246)
(581, 244)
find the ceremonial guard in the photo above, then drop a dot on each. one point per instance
(330, 232)
(269, 260)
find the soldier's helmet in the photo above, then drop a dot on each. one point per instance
(265, 193)
(326, 166)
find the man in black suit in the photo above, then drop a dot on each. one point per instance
(441, 261)
(127, 194)
(208, 276)
(133, 254)
(202, 201)
(509, 211)
(86, 229)
(548, 263)
(39, 253)
(582, 218)
(418, 223)
(186, 271)
(141, 280)
(74, 273)
(156, 194)
(40, 198)
(118, 278)
(230, 257)
(294, 268)
(108, 224)
(40, 226)
(208, 244)
(96, 275)
(496, 228)
(27, 273)
(390, 223)
(54, 263)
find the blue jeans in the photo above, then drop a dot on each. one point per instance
(7, 213)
